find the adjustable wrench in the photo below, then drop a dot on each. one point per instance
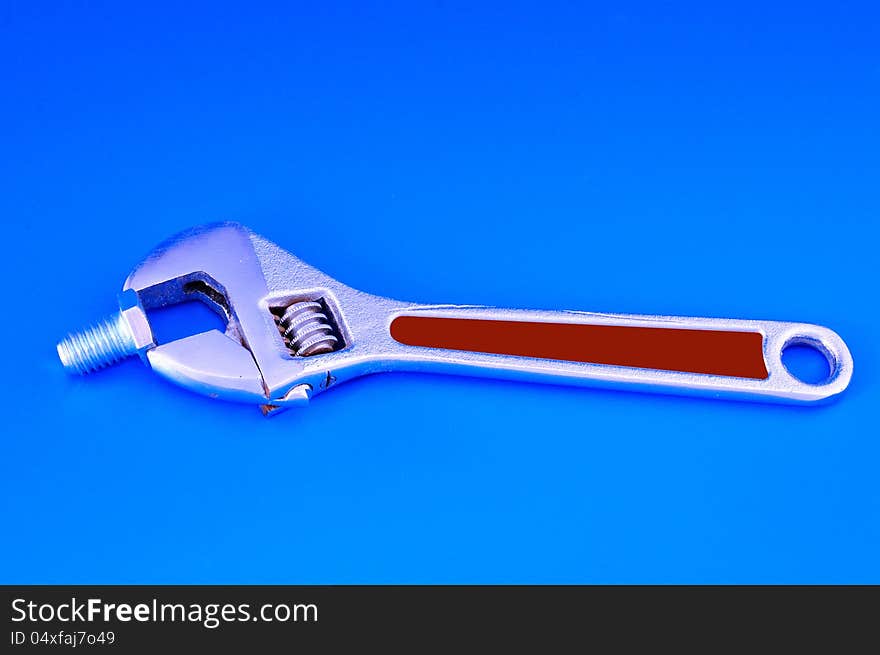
(293, 332)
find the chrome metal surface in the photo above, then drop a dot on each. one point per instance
(293, 332)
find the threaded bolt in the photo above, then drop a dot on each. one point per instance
(98, 346)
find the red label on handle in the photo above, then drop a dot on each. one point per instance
(713, 352)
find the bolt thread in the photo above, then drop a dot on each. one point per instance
(97, 346)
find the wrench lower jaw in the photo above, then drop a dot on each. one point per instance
(210, 364)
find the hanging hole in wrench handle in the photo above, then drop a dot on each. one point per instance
(715, 357)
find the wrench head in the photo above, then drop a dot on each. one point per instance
(255, 286)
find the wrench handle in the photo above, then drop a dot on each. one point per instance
(694, 356)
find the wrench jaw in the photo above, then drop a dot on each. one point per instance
(211, 364)
(219, 265)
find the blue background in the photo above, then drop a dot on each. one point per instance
(675, 159)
